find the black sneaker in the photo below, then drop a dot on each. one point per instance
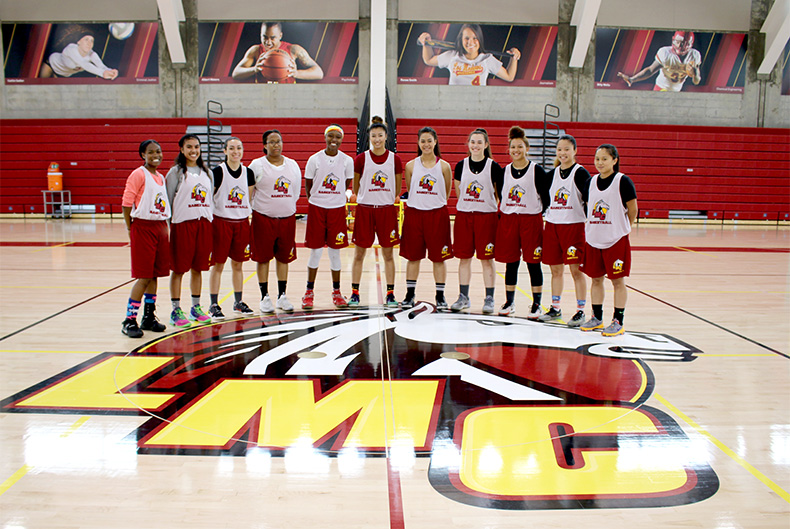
(577, 319)
(551, 315)
(129, 328)
(407, 303)
(215, 311)
(150, 322)
(242, 308)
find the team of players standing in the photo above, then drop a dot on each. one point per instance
(500, 216)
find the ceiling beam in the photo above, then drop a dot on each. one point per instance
(172, 12)
(585, 12)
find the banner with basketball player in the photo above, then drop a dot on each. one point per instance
(670, 60)
(278, 52)
(785, 70)
(477, 55)
(116, 53)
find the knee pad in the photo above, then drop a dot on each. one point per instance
(334, 259)
(315, 257)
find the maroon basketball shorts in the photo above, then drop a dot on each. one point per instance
(519, 235)
(150, 246)
(273, 238)
(373, 221)
(426, 231)
(563, 243)
(190, 245)
(231, 239)
(474, 233)
(326, 227)
(613, 262)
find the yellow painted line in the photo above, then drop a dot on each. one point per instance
(74, 427)
(694, 251)
(55, 246)
(16, 476)
(55, 287)
(229, 294)
(727, 450)
(50, 352)
(643, 385)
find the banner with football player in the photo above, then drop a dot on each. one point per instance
(116, 53)
(278, 52)
(670, 61)
(477, 55)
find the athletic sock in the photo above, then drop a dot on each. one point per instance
(236, 296)
(464, 290)
(281, 288)
(555, 302)
(536, 298)
(490, 292)
(176, 303)
(411, 286)
(310, 285)
(264, 289)
(149, 298)
(439, 291)
(598, 311)
(336, 285)
(580, 303)
(132, 308)
(214, 299)
(195, 301)
(619, 314)
(510, 295)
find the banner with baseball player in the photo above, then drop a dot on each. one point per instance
(278, 52)
(116, 53)
(477, 54)
(670, 61)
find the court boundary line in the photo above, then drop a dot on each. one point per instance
(64, 310)
(725, 329)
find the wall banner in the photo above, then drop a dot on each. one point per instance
(116, 53)
(477, 55)
(670, 61)
(279, 52)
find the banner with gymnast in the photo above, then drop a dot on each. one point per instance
(273, 52)
(477, 55)
(670, 61)
(115, 53)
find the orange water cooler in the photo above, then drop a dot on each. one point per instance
(54, 177)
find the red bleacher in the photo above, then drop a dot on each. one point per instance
(723, 172)
(726, 173)
(97, 155)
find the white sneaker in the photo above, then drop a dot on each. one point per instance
(284, 305)
(488, 305)
(266, 305)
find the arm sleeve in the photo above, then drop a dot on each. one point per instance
(171, 182)
(359, 163)
(542, 186)
(398, 165)
(458, 171)
(497, 178)
(627, 190)
(582, 181)
(218, 175)
(135, 185)
(250, 177)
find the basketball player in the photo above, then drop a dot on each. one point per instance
(477, 178)
(427, 222)
(271, 38)
(145, 211)
(468, 63)
(190, 190)
(524, 197)
(231, 226)
(675, 63)
(278, 183)
(563, 233)
(378, 177)
(328, 174)
(611, 213)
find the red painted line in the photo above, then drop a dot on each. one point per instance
(707, 249)
(379, 289)
(395, 496)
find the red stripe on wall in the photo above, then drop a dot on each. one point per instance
(34, 54)
(729, 47)
(547, 38)
(226, 49)
(636, 53)
(340, 47)
(137, 52)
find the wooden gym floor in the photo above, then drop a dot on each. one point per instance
(376, 418)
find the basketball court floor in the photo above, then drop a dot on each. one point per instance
(397, 418)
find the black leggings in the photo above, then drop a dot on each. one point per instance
(535, 273)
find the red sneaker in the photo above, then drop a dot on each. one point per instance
(307, 299)
(338, 299)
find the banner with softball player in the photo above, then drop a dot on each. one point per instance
(670, 60)
(278, 52)
(477, 55)
(116, 53)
